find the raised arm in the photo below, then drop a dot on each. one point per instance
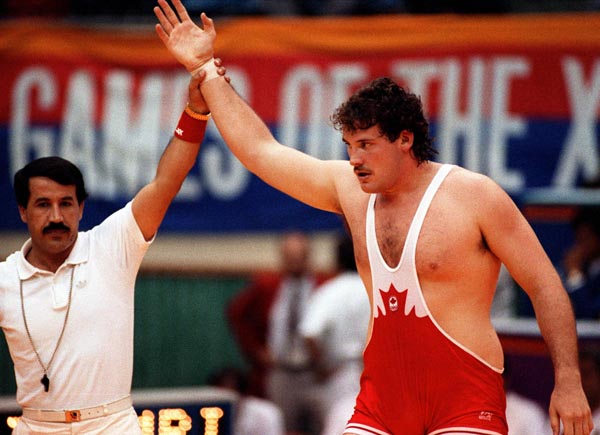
(152, 201)
(301, 176)
(513, 240)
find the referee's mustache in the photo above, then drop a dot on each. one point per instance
(54, 226)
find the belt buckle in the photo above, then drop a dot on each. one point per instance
(71, 416)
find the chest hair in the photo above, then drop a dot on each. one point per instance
(391, 232)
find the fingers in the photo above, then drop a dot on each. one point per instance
(554, 423)
(221, 70)
(181, 11)
(577, 427)
(587, 424)
(207, 24)
(574, 426)
(161, 33)
(168, 13)
(166, 26)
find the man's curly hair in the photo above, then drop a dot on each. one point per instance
(387, 105)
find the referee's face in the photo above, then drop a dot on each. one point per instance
(52, 216)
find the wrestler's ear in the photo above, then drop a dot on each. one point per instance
(406, 139)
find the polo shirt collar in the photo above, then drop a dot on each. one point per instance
(78, 255)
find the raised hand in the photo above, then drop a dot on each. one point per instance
(191, 45)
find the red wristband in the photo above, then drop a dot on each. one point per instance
(191, 128)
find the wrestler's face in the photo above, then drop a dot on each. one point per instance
(377, 162)
(52, 216)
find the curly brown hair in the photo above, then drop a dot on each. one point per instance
(385, 104)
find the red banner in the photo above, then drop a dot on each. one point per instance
(515, 97)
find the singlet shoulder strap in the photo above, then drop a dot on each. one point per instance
(417, 222)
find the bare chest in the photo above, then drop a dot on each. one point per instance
(436, 240)
(391, 234)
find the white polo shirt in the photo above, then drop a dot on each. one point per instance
(94, 363)
(338, 316)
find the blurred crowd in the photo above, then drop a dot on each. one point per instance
(141, 9)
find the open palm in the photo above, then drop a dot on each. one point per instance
(191, 45)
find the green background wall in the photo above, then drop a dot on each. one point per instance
(181, 334)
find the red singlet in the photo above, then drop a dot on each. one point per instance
(417, 380)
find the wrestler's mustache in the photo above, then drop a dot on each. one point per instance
(56, 226)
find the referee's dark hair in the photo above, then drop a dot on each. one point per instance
(55, 168)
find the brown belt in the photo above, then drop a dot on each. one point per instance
(72, 415)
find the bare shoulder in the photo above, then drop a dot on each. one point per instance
(468, 178)
(481, 197)
(474, 185)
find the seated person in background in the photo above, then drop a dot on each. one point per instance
(582, 264)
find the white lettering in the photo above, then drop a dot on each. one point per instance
(77, 135)
(302, 107)
(308, 100)
(130, 143)
(463, 126)
(580, 150)
(503, 126)
(454, 124)
(343, 78)
(25, 139)
(418, 76)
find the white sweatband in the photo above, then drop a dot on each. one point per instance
(210, 68)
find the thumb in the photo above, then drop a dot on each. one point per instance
(207, 24)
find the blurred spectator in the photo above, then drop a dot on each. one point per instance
(248, 315)
(264, 319)
(253, 415)
(335, 327)
(589, 364)
(523, 415)
(582, 264)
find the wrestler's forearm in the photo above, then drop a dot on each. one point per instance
(242, 129)
(557, 325)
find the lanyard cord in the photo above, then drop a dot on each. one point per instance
(45, 381)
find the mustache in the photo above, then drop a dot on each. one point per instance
(56, 226)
